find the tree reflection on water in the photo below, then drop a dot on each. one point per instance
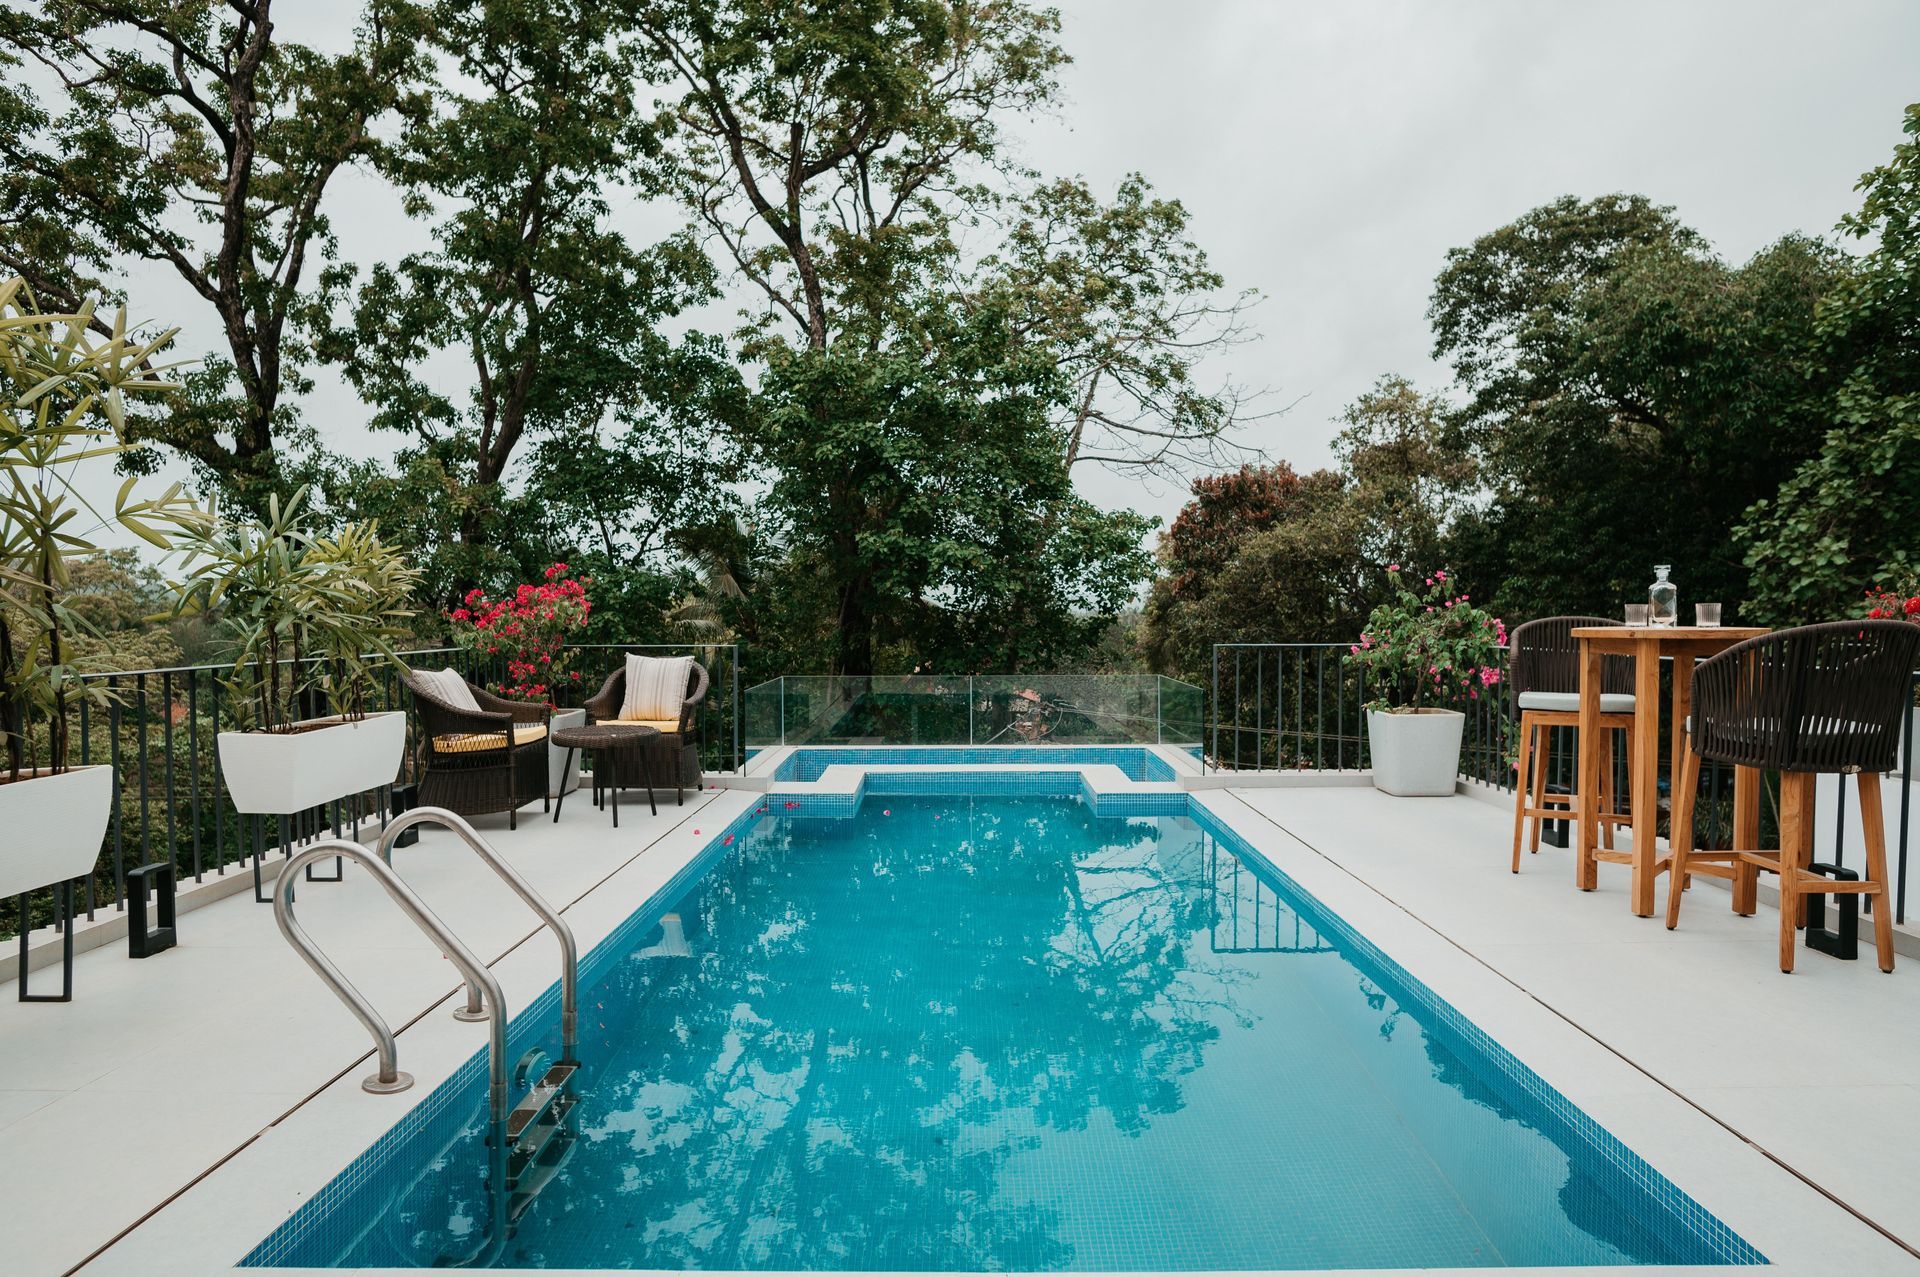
(876, 1016)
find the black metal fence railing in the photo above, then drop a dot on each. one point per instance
(1302, 706)
(160, 735)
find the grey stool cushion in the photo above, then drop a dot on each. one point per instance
(1569, 702)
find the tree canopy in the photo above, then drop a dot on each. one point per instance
(871, 466)
(187, 132)
(1845, 520)
(1627, 389)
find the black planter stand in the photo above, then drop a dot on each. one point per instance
(1843, 942)
(63, 919)
(403, 799)
(144, 941)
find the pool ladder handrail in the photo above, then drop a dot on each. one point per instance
(388, 1077)
(569, 951)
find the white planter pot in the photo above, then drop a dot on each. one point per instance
(53, 825)
(562, 779)
(1416, 755)
(279, 773)
(1905, 767)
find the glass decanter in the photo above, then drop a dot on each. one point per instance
(1663, 597)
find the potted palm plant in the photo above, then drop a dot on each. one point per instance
(1425, 652)
(63, 389)
(310, 618)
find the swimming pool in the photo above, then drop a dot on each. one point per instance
(1003, 1032)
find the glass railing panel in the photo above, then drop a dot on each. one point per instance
(1182, 712)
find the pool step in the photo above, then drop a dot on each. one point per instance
(539, 1138)
(538, 1099)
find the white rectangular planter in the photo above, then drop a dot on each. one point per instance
(279, 773)
(562, 779)
(53, 825)
(1416, 755)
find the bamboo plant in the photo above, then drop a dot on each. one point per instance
(63, 391)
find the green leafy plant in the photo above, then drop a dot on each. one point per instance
(1432, 646)
(63, 387)
(310, 617)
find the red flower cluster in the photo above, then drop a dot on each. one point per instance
(1892, 605)
(530, 629)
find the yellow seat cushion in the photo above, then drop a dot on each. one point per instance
(475, 742)
(664, 725)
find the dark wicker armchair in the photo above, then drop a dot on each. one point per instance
(478, 763)
(677, 749)
(1817, 699)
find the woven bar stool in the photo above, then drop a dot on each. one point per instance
(1817, 699)
(1544, 675)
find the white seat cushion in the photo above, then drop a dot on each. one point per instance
(1569, 702)
(656, 687)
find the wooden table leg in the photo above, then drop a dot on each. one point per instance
(1646, 773)
(1746, 837)
(1586, 873)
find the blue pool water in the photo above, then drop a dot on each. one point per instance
(1138, 763)
(1001, 1032)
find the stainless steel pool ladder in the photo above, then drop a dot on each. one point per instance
(480, 981)
(525, 1147)
(569, 951)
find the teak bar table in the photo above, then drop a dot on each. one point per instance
(1646, 644)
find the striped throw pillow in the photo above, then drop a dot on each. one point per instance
(656, 685)
(451, 688)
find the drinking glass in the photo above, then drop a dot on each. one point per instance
(1637, 613)
(1706, 615)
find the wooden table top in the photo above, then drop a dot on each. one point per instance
(1686, 633)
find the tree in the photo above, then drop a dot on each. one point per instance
(172, 107)
(1410, 472)
(1844, 520)
(1627, 390)
(818, 144)
(1129, 306)
(1261, 554)
(919, 478)
(830, 152)
(555, 311)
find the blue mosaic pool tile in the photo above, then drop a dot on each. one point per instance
(335, 1218)
(1525, 1088)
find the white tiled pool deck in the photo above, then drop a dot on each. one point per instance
(181, 1107)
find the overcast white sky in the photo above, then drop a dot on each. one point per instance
(1332, 153)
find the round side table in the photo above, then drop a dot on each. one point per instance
(617, 749)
